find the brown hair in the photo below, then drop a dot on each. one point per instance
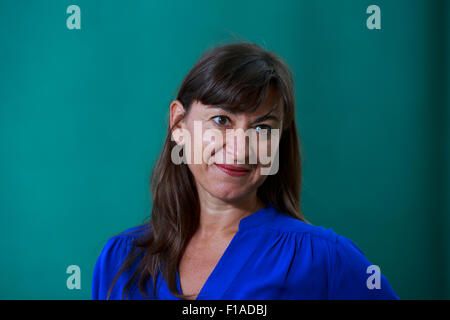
(237, 75)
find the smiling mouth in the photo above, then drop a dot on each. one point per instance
(234, 171)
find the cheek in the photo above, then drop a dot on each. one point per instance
(213, 146)
(206, 144)
(263, 150)
(268, 150)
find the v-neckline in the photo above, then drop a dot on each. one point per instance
(256, 218)
(214, 270)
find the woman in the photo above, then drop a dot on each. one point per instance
(222, 227)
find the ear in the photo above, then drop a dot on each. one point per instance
(177, 113)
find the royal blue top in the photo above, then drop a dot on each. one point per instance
(272, 256)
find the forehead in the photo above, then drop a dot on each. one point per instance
(272, 104)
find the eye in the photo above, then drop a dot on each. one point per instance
(221, 120)
(260, 127)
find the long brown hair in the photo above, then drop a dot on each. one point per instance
(238, 75)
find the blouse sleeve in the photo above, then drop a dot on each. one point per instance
(354, 277)
(106, 267)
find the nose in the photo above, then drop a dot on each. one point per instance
(238, 147)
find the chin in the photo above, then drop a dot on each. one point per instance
(229, 192)
(223, 186)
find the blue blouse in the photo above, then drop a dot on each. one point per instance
(272, 256)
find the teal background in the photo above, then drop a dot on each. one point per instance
(83, 115)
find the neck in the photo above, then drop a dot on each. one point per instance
(219, 218)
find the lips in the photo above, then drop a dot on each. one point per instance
(234, 171)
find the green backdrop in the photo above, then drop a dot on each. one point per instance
(83, 115)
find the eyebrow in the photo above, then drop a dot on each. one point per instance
(268, 116)
(227, 109)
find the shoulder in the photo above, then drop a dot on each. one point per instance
(111, 258)
(119, 245)
(322, 240)
(285, 223)
(350, 273)
(325, 240)
(133, 233)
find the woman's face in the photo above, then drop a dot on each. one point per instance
(229, 166)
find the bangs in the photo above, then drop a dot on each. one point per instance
(243, 89)
(240, 78)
